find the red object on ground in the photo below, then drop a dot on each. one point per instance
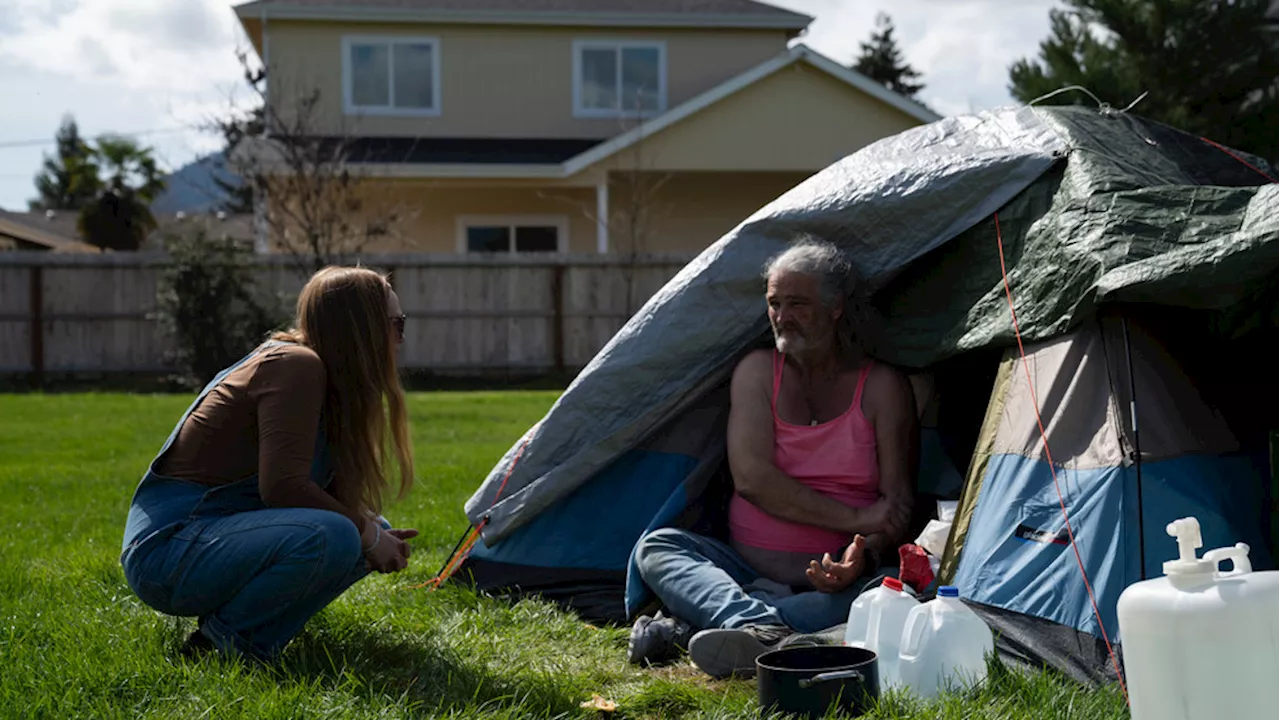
(914, 569)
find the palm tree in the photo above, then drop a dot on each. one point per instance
(120, 218)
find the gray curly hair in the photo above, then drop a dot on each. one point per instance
(839, 285)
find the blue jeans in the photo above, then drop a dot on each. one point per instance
(252, 578)
(700, 580)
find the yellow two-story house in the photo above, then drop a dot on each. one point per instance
(571, 126)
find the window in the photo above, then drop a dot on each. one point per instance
(391, 76)
(619, 79)
(504, 234)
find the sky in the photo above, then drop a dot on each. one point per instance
(164, 68)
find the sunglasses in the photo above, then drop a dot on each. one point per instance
(397, 322)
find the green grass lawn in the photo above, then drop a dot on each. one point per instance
(75, 642)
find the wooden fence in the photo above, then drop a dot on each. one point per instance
(91, 314)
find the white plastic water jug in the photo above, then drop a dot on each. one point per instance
(876, 619)
(943, 646)
(1201, 643)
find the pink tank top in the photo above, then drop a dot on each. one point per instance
(836, 458)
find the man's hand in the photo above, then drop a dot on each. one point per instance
(886, 516)
(831, 576)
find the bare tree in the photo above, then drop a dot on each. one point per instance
(635, 217)
(309, 189)
(633, 209)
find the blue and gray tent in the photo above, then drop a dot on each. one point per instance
(1142, 266)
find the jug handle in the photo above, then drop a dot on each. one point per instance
(827, 677)
(911, 635)
(1238, 555)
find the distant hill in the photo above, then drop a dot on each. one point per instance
(191, 188)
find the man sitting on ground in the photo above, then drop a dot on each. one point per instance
(822, 446)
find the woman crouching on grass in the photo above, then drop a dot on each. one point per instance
(263, 505)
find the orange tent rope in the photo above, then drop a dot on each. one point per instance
(1035, 403)
(464, 548)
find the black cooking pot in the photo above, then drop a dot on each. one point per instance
(808, 680)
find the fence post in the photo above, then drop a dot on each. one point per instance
(36, 282)
(557, 319)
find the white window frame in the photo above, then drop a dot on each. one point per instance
(559, 222)
(618, 46)
(348, 102)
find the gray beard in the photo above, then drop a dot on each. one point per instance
(791, 343)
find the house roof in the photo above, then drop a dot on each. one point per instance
(563, 158)
(484, 151)
(650, 13)
(795, 54)
(39, 231)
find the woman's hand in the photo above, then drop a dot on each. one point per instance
(389, 552)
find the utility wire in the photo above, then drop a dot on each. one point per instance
(140, 133)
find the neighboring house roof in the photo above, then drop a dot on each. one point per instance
(38, 231)
(218, 225)
(650, 13)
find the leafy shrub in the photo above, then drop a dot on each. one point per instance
(208, 301)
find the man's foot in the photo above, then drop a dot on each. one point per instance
(657, 639)
(725, 652)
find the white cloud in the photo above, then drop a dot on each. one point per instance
(143, 45)
(129, 65)
(963, 48)
(117, 66)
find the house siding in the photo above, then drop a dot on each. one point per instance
(685, 212)
(499, 81)
(798, 119)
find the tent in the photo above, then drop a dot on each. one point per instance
(1141, 263)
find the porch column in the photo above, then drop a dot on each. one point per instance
(602, 216)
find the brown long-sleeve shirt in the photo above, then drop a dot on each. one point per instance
(262, 418)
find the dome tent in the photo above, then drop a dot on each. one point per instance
(1101, 215)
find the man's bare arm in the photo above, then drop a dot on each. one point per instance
(756, 478)
(893, 413)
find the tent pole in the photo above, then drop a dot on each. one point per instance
(449, 558)
(1137, 448)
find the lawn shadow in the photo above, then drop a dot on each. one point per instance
(425, 675)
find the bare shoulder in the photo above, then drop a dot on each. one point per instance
(753, 368)
(888, 389)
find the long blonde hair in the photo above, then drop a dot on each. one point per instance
(343, 315)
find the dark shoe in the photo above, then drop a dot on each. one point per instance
(657, 639)
(725, 652)
(196, 645)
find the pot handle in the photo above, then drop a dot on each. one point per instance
(827, 677)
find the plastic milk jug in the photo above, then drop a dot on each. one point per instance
(1198, 642)
(944, 645)
(876, 619)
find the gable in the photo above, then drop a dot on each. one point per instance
(799, 118)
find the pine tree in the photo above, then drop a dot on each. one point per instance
(68, 181)
(1207, 66)
(881, 60)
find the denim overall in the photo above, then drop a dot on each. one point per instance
(253, 575)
